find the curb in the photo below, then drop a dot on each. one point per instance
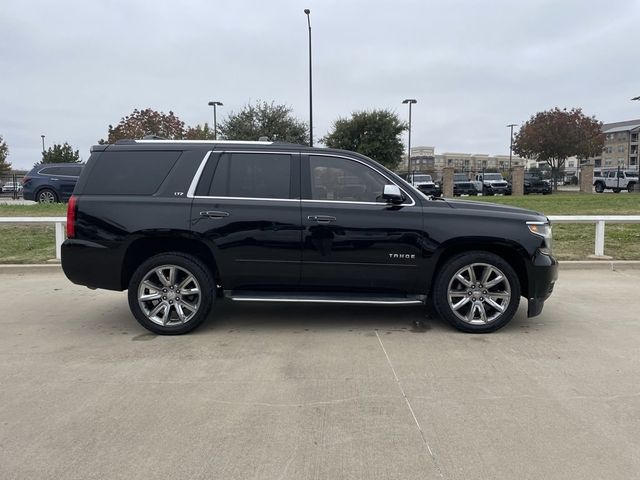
(21, 269)
(600, 265)
(55, 267)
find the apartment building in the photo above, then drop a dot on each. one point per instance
(620, 145)
(424, 159)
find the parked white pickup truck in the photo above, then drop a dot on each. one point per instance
(616, 180)
(491, 183)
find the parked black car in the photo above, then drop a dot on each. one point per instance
(181, 224)
(51, 182)
(464, 188)
(535, 184)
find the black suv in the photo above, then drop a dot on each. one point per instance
(181, 224)
(535, 184)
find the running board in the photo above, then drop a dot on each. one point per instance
(304, 297)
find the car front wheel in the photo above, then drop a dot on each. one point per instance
(477, 292)
(171, 293)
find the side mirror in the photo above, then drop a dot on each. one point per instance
(392, 194)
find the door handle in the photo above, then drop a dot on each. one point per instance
(214, 214)
(322, 218)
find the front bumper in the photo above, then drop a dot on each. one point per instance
(542, 278)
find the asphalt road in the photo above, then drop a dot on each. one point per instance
(319, 392)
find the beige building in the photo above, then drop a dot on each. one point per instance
(424, 159)
(620, 145)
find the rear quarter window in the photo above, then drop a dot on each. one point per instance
(129, 173)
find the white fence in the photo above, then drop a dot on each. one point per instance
(599, 220)
(59, 223)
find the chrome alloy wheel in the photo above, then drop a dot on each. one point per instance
(47, 196)
(479, 293)
(169, 295)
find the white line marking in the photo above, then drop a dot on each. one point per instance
(404, 395)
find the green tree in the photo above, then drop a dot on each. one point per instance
(555, 135)
(5, 167)
(376, 134)
(61, 154)
(146, 122)
(199, 132)
(264, 120)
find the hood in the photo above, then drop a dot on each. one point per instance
(494, 208)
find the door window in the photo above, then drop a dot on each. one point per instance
(340, 179)
(252, 175)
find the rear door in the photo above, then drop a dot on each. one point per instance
(67, 178)
(247, 206)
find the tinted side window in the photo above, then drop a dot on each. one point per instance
(340, 179)
(47, 171)
(252, 175)
(129, 173)
(70, 171)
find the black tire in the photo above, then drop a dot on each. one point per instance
(599, 187)
(630, 187)
(46, 195)
(194, 308)
(478, 261)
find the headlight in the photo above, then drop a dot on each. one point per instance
(542, 229)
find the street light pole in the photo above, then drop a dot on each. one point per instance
(42, 136)
(410, 101)
(636, 187)
(215, 104)
(308, 12)
(511, 125)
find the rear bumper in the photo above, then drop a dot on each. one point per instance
(92, 264)
(542, 279)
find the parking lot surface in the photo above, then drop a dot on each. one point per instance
(265, 391)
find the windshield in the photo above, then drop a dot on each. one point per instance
(492, 176)
(422, 178)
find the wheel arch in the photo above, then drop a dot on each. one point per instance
(511, 253)
(145, 247)
(46, 187)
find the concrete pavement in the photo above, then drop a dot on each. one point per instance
(318, 392)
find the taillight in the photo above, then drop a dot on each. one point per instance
(72, 209)
(25, 180)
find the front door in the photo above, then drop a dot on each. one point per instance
(353, 240)
(247, 207)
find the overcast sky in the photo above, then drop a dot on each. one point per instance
(69, 69)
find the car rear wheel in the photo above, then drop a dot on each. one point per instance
(46, 195)
(599, 187)
(171, 293)
(477, 292)
(630, 187)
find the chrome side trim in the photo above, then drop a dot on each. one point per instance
(319, 154)
(304, 300)
(212, 142)
(248, 198)
(379, 204)
(196, 177)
